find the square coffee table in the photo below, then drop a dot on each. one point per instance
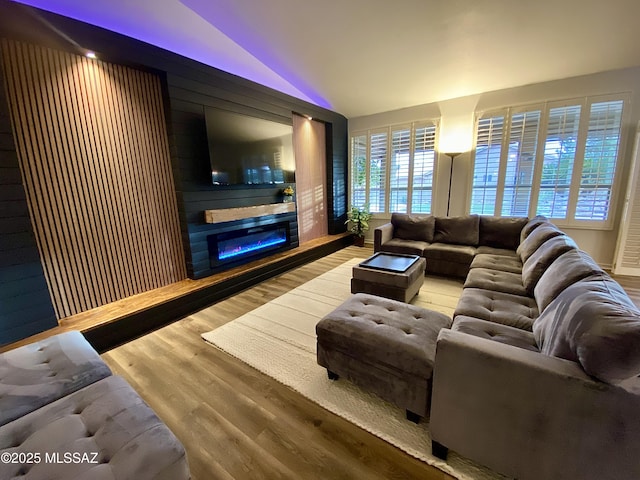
(390, 275)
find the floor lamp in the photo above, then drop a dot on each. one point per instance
(452, 155)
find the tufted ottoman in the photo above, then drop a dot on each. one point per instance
(103, 432)
(384, 346)
(39, 373)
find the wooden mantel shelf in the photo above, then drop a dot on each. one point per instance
(230, 214)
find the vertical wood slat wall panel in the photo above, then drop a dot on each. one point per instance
(311, 178)
(95, 158)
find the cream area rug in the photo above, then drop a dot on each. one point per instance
(279, 339)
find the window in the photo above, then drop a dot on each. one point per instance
(392, 168)
(556, 159)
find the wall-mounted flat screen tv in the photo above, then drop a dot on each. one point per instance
(246, 150)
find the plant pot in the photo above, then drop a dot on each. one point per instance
(287, 199)
(358, 241)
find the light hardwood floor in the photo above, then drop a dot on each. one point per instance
(237, 423)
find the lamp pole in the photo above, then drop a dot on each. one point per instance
(452, 155)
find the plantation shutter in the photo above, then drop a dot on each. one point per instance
(627, 257)
(520, 163)
(378, 172)
(399, 169)
(359, 170)
(486, 167)
(599, 165)
(423, 163)
(559, 157)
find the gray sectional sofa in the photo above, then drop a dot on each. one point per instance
(538, 377)
(63, 415)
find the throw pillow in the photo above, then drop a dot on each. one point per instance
(413, 227)
(458, 230)
(593, 322)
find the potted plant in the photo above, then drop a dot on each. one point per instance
(358, 219)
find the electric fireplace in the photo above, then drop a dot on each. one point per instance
(239, 245)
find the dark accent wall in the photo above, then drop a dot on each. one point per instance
(25, 304)
(189, 87)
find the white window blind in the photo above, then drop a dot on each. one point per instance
(423, 165)
(600, 155)
(358, 170)
(559, 156)
(557, 159)
(520, 161)
(378, 173)
(399, 169)
(486, 166)
(392, 168)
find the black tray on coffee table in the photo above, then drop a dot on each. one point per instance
(390, 262)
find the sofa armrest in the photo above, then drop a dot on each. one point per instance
(382, 235)
(529, 415)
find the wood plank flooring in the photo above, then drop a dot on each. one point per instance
(237, 423)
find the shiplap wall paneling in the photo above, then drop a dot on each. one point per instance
(192, 86)
(25, 303)
(94, 152)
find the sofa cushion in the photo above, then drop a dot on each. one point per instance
(497, 262)
(488, 279)
(496, 332)
(457, 230)
(501, 232)
(498, 307)
(407, 247)
(39, 373)
(568, 268)
(413, 227)
(535, 239)
(593, 322)
(531, 225)
(505, 252)
(452, 253)
(542, 258)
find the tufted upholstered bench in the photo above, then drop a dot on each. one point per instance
(103, 432)
(384, 346)
(39, 373)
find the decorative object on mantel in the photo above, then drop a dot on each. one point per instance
(287, 194)
(240, 213)
(358, 219)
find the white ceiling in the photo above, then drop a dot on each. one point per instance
(360, 57)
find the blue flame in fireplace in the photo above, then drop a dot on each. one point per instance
(244, 249)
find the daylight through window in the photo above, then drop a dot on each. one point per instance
(392, 168)
(555, 159)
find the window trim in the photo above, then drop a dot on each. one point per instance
(585, 103)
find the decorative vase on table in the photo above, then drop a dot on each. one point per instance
(287, 194)
(358, 220)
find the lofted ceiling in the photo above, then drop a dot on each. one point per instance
(360, 57)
